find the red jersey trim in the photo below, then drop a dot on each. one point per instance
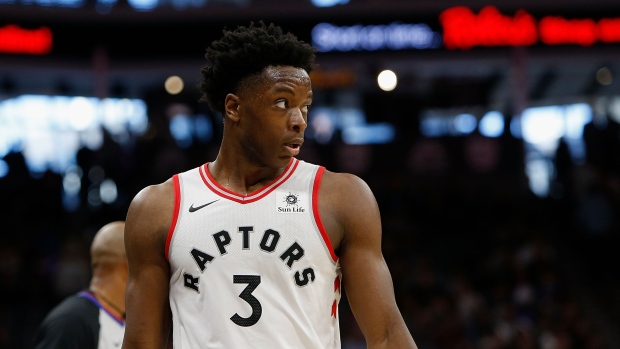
(175, 213)
(218, 189)
(317, 216)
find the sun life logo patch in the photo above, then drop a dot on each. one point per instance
(291, 202)
(291, 199)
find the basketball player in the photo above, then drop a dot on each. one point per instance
(249, 251)
(94, 318)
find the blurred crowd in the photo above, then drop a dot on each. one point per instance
(477, 260)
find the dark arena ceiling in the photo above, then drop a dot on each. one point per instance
(136, 48)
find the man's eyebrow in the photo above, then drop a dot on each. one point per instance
(290, 90)
(284, 89)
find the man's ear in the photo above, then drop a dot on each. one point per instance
(231, 107)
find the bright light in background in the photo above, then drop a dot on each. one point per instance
(614, 109)
(71, 186)
(543, 127)
(5, 142)
(104, 6)
(181, 127)
(38, 150)
(465, 123)
(378, 133)
(492, 124)
(72, 181)
(435, 125)
(538, 172)
(50, 130)
(327, 37)
(185, 126)
(81, 113)
(143, 5)
(62, 3)
(4, 168)
(322, 124)
(203, 130)
(114, 114)
(329, 3)
(349, 117)
(174, 85)
(387, 80)
(448, 122)
(108, 191)
(92, 138)
(576, 117)
(351, 121)
(515, 127)
(604, 76)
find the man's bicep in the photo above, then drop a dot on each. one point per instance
(148, 311)
(367, 280)
(368, 287)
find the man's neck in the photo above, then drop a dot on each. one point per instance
(240, 176)
(110, 292)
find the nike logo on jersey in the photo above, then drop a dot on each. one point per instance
(194, 209)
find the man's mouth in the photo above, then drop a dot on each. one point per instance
(293, 147)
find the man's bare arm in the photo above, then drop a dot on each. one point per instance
(146, 228)
(367, 281)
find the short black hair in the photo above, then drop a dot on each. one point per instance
(245, 52)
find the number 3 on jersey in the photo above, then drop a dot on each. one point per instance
(257, 310)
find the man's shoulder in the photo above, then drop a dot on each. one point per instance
(342, 181)
(344, 192)
(71, 314)
(151, 214)
(152, 196)
(74, 308)
(73, 323)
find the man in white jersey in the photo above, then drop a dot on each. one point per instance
(249, 250)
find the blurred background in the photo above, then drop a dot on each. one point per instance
(490, 135)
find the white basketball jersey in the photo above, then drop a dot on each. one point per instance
(255, 271)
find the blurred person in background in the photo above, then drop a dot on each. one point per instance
(248, 251)
(93, 318)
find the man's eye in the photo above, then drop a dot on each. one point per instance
(305, 108)
(281, 104)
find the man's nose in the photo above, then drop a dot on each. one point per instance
(297, 121)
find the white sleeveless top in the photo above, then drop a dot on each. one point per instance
(255, 271)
